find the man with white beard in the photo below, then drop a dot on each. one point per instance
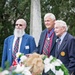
(19, 42)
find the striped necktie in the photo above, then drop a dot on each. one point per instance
(16, 46)
(47, 44)
(46, 47)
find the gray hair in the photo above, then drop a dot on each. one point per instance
(62, 24)
(51, 15)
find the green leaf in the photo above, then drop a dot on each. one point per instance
(57, 67)
(66, 72)
(50, 72)
(54, 59)
(21, 55)
(44, 57)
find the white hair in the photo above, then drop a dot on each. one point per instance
(52, 16)
(19, 32)
(62, 24)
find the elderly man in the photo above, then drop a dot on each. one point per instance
(65, 48)
(19, 42)
(47, 38)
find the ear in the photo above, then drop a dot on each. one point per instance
(64, 29)
(25, 27)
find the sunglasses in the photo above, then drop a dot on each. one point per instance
(18, 24)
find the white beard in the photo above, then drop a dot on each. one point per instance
(19, 32)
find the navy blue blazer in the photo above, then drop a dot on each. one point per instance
(27, 46)
(66, 52)
(41, 43)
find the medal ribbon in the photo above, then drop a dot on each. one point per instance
(50, 33)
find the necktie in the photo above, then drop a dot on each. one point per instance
(57, 46)
(16, 46)
(58, 43)
(46, 46)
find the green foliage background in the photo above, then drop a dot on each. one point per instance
(10, 10)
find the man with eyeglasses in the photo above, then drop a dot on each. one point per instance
(19, 42)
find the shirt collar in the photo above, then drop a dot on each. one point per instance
(63, 35)
(48, 31)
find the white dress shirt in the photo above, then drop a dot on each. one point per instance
(62, 37)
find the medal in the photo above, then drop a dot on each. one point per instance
(62, 53)
(48, 38)
(49, 34)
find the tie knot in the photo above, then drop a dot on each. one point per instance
(58, 40)
(18, 38)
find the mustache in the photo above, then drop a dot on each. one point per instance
(19, 32)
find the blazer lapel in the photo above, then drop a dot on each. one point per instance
(11, 42)
(23, 42)
(63, 43)
(53, 41)
(43, 36)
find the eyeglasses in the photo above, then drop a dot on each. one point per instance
(18, 24)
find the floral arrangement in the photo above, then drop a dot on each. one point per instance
(35, 61)
(35, 64)
(54, 66)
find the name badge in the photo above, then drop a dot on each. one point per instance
(26, 47)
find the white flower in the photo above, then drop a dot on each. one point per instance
(48, 67)
(23, 58)
(51, 66)
(56, 63)
(51, 57)
(26, 71)
(18, 54)
(59, 61)
(46, 61)
(60, 72)
(5, 72)
(19, 68)
(22, 69)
